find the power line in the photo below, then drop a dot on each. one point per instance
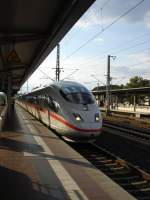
(46, 75)
(90, 58)
(132, 46)
(104, 4)
(146, 49)
(107, 27)
(70, 74)
(134, 39)
(73, 36)
(103, 57)
(81, 28)
(117, 52)
(101, 12)
(136, 64)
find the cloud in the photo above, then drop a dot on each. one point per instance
(147, 19)
(99, 39)
(97, 15)
(142, 58)
(90, 18)
(87, 66)
(137, 65)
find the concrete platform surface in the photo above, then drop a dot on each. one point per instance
(36, 164)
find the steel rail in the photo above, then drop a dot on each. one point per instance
(138, 134)
(134, 180)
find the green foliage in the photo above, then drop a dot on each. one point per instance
(137, 81)
(134, 82)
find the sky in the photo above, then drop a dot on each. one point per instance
(118, 28)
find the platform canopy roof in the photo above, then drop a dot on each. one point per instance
(29, 30)
(135, 91)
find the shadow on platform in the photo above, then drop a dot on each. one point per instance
(37, 150)
(18, 186)
(13, 129)
(20, 146)
(12, 123)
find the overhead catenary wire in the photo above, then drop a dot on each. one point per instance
(70, 74)
(132, 65)
(90, 58)
(104, 29)
(98, 64)
(139, 44)
(117, 52)
(81, 28)
(101, 12)
(46, 74)
(105, 3)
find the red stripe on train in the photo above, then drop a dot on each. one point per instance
(63, 121)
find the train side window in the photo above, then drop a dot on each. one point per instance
(56, 106)
(45, 101)
(40, 100)
(53, 105)
(37, 100)
(50, 103)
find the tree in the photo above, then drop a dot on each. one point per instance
(137, 81)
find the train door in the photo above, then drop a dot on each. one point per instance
(53, 108)
(48, 110)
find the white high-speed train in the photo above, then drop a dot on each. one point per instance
(68, 107)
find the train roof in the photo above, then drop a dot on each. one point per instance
(59, 85)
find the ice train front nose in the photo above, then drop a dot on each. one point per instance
(80, 111)
(84, 126)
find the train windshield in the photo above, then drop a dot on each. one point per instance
(77, 94)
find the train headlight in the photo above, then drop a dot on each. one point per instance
(77, 117)
(97, 117)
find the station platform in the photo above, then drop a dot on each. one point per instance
(36, 164)
(128, 112)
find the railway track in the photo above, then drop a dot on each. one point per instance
(131, 178)
(143, 136)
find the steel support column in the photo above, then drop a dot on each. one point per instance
(116, 106)
(134, 103)
(9, 91)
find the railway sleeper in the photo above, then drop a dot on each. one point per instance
(100, 165)
(141, 182)
(97, 158)
(142, 188)
(125, 185)
(144, 198)
(106, 161)
(125, 181)
(117, 168)
(146, 189)
(94, 156)
(111, 164)
(93, 160)
(129, 178)
(101, 158)
(134, 190)
(103, 166)
(106, 171)
(122, 173)
(97, 162)
(139, 195)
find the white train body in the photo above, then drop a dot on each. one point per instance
(67, 107)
